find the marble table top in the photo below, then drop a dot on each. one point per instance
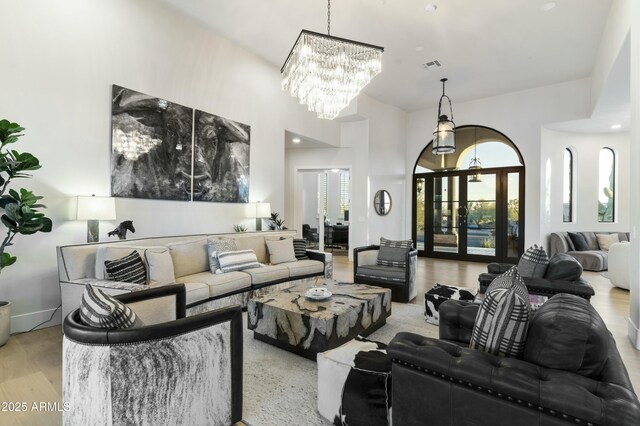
(286, 318)
(345, 297)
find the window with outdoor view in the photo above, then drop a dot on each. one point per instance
(607, 185)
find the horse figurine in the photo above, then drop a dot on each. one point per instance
(121, 230)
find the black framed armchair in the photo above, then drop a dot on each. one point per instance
(401, 280)
(172, 370)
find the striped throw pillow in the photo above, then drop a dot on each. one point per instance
(237, 260)
(393, 253)
(300, 248)
(534, 262)
(129, 269)
(101, 310)
(216, 246)
(503, 319)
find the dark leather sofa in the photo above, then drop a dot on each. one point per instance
(540, 286)
(442, 382)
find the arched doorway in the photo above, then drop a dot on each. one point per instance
(470, 213)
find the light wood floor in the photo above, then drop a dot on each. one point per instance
(30, 363)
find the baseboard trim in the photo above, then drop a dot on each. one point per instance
(25, 322)
(634, 334)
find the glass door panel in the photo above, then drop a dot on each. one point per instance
(481, 214)
(513, 215)
(420, 189)
(445, 224)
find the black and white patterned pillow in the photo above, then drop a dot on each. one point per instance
(101, 310)
(393, 253)
(128, 269)
(300, 248)
(533, 263)
(503, 319)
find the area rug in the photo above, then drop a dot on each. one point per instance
(280, 388)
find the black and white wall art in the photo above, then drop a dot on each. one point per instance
(221, 159)
(156, 144)
(151, 145)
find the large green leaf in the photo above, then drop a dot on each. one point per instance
(7, 260)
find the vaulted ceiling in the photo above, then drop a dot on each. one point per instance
(485, 47)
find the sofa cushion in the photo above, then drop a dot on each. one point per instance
(101, 310)
(216, 246)
(196, 291)
(578, 241)
(304, 267)
(568, 334)
(113, 252)
(501, 325)
(591, 240)
(563, 267)
(393, 253)
(605, 240)
(220, 284)
(533, 263)
(189, 257)
(267, 273)
(380, 271)
(255, 243)
(592, 260)
(128, 269)
(159, 267)
(280, 251)
(237, 260)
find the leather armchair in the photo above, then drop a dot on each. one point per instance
(187, 370)
(540, 286)
(440, 382)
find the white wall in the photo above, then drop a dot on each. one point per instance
(634, 311)
(372, 146)
(60, 61)
(586, 150)
(310, 200)
(520, 116)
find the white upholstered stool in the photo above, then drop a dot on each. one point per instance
(619, 257)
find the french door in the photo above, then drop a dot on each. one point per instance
(475, 215)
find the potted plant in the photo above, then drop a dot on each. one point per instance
(21, 208)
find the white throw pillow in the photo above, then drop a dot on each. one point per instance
(281, 251)
(605, 240)
(159, 267)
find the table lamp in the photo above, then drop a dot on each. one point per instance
(94, 209)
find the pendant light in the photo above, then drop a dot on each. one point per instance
(326, 72)
(444, 136)
(475, 163)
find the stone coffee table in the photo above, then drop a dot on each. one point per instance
(290, 321)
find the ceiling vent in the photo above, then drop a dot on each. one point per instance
(431, 64)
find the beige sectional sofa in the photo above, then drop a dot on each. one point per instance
(184, 259)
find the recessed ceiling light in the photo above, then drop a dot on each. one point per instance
(295, 140)
(548, 6)
(419, 48)
(616, 126)
(431, 8)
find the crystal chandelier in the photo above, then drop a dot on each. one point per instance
(326, 73)
(444, 136)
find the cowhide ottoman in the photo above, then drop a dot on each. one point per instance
(438, 294)
(354, 384)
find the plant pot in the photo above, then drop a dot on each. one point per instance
(5, 322)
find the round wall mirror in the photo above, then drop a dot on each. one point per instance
(382, 202)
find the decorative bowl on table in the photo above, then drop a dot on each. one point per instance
(317, 293)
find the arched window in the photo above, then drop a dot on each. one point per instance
(567, 193)
(606, 185)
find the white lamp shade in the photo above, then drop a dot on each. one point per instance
(263, 210)
(96, 208)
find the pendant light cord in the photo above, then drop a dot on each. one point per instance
(328, 17)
